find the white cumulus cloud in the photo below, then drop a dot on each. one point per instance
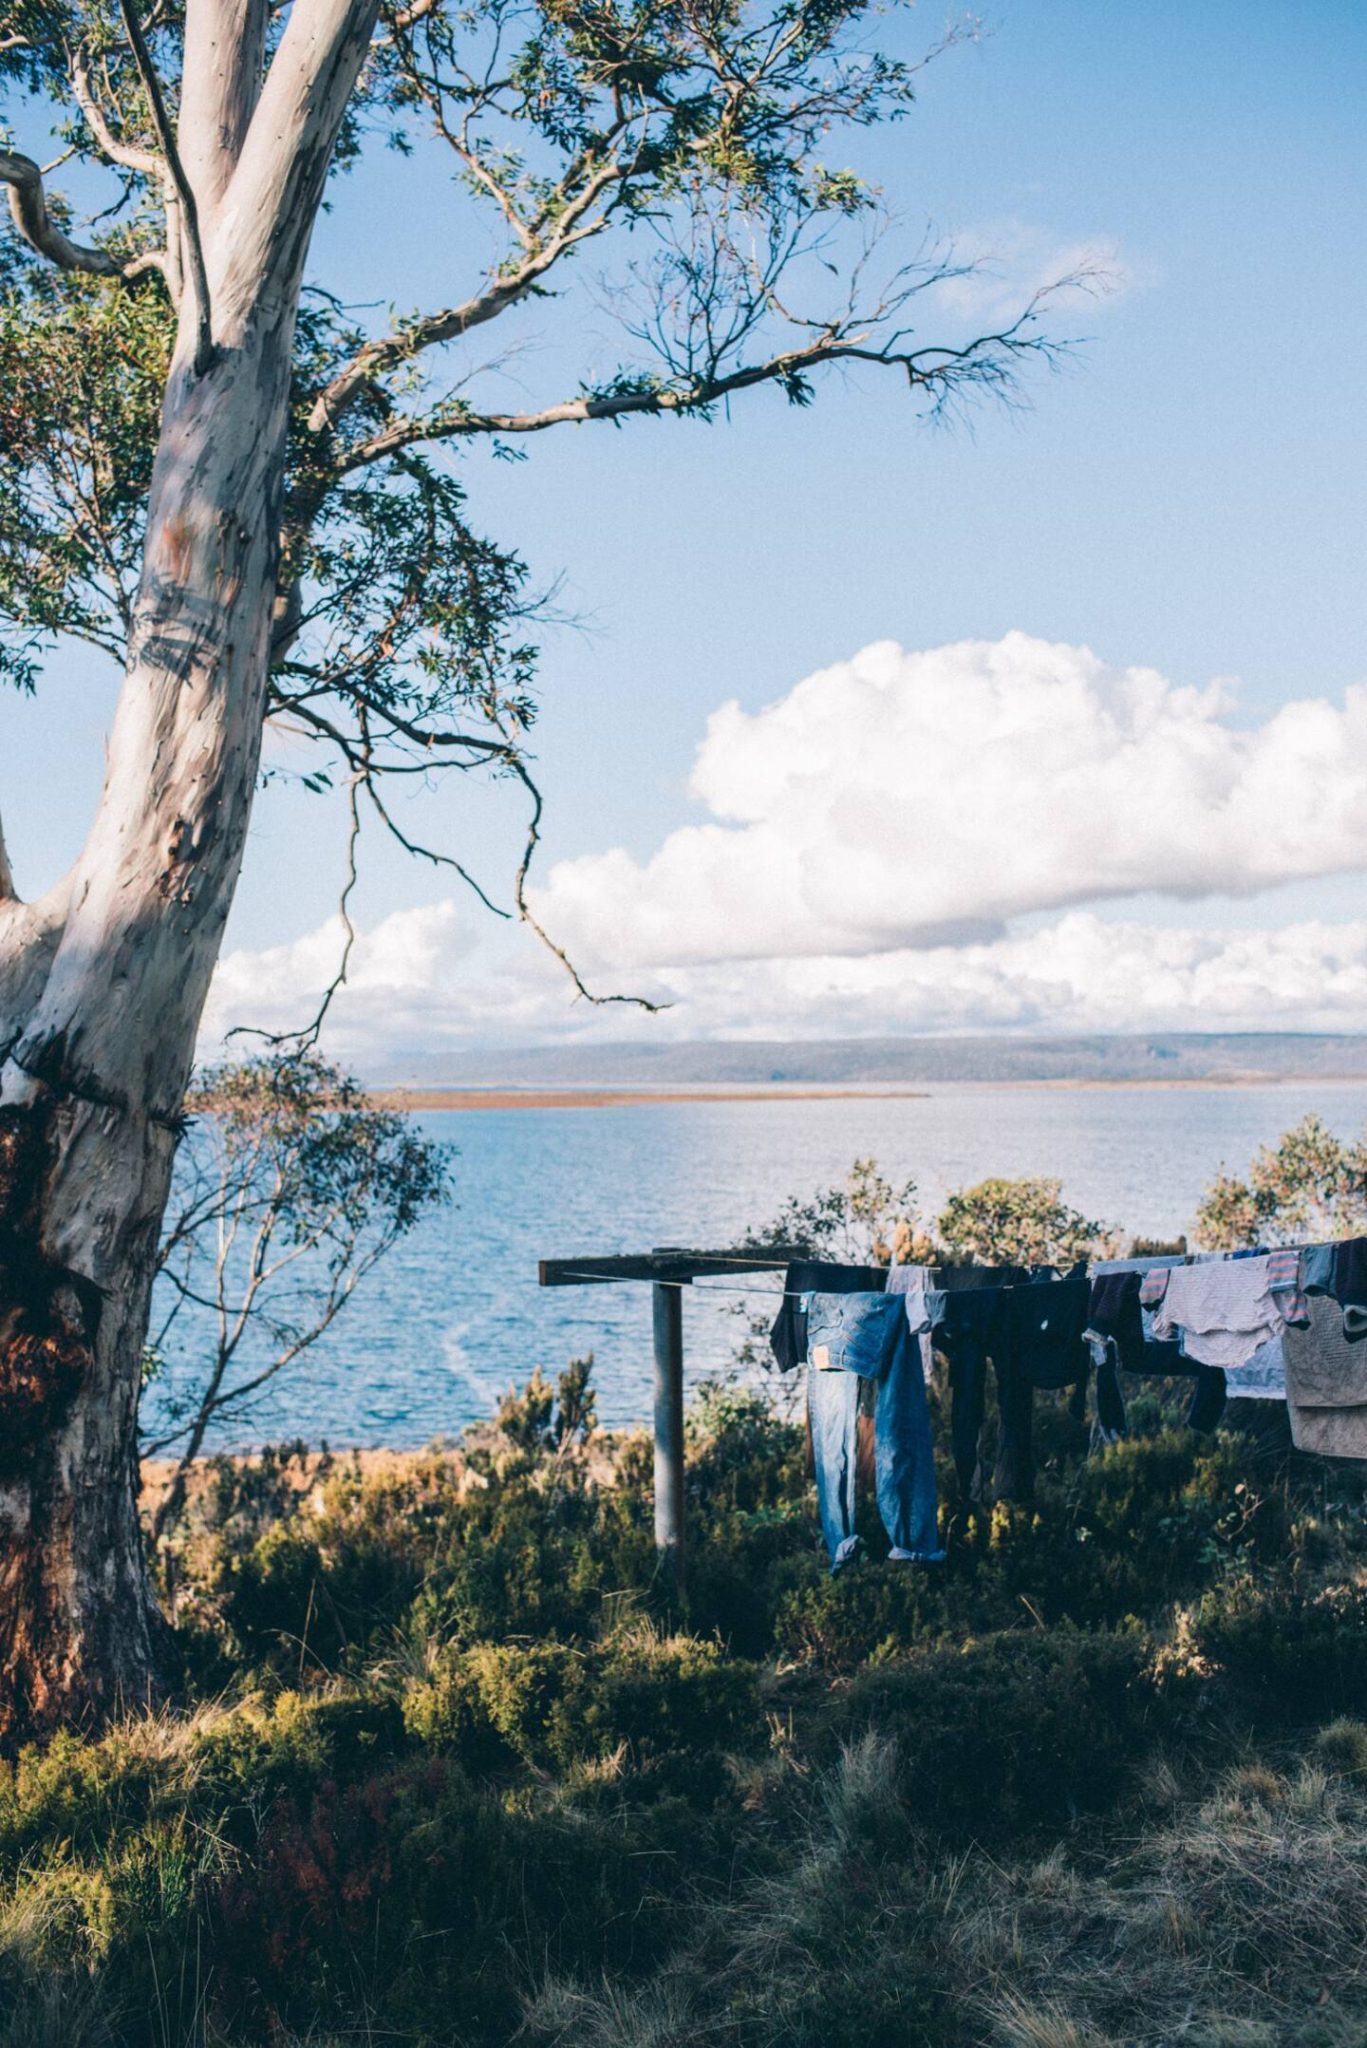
(422, 983)
(916, 800)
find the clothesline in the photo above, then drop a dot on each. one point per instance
(718, 1284)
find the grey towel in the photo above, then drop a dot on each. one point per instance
(1326, 1384)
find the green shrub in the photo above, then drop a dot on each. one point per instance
(1293, 1652)
(1017, 1732)
(668, 1702)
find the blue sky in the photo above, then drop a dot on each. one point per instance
(1187, 496)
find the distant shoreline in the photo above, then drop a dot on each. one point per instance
(596, 1097)
(620, 1098)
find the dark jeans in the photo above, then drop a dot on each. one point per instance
(1032, 1332)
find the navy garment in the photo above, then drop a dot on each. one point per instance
(788, 1337)
(851, 1338)
(969, 1320)
(1044, 1348)
(1113, 1311)
(1349, 1287)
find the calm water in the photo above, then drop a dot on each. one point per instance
(455, 1315)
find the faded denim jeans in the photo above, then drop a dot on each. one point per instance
(870, 1334)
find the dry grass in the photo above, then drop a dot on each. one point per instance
(1239, 1922)
(1234, 1921)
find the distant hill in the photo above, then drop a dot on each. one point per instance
(1156, 1056)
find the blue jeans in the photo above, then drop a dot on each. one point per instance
(904, 1454)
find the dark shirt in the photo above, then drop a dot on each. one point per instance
(1114, 1311)
(1046, 1322)
(1350, 1273)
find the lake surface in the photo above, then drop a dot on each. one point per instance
(455, 1316)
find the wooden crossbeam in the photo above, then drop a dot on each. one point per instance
(665, 1263)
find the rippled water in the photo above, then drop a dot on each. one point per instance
(455, 1314)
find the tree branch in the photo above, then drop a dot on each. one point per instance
(28, 209)
(199, 276)
(225, 54)
(376, 357)
(981, 361)
(126, 154)
(273, 195)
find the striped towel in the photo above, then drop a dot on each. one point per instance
(1284, 1284)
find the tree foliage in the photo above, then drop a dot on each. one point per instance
(866, 1217)
(1018, 1223)
(1309, 1185)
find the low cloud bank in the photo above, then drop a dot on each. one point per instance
(903, 843)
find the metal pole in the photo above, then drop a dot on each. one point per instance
(667, 1308)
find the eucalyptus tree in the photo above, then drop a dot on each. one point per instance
(248, 495)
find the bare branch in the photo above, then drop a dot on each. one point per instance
(126, 154)
(524, 911)
(935, 370)
(151, 85)
(28, 208)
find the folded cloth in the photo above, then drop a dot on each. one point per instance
(788, 1337)
(1284, 1284)
(1222, 1308)
(1326, 1385)
(855, 1332)
(1349, 1287)
(1154, 1286)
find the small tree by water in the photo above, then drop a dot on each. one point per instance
(291, 1187)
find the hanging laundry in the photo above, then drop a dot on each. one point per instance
(1284, 1285)
(855, 1333)
(970, 1328)
(860, 1329)
(788, 1337)
(1263, 1376)
(1326, 1384)
(1221, 1307)
(1317, 1268)
(1044, 1351)
(913, 1283)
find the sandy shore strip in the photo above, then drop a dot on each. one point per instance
(623, 1098)
(589, 1097)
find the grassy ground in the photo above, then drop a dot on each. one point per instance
(455, 1767)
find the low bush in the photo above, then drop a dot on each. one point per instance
(1019, 1732)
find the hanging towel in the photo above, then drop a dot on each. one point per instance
(1326, 1385)
(1223, 1309)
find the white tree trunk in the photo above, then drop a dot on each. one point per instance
(102, 985)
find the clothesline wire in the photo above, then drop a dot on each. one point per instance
(800, 1293)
